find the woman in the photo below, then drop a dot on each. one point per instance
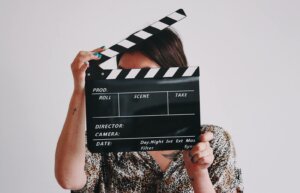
(207, 168)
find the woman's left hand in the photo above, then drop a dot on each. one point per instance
(201, 156)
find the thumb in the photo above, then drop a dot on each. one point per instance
(186, 155)
(84, 66)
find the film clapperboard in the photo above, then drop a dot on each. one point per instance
(142, 109)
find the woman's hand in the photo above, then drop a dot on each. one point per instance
(79, 66)
(200, 157)
(70, 149)
(197, 162)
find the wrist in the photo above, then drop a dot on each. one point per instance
(78, 93)
(199, 173)
(201, 181)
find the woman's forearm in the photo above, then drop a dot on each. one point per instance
(201, 182)
(70, 150)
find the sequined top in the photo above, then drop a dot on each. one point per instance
(137, 172)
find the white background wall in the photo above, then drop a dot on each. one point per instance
(249, 57)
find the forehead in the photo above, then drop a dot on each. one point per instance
(136, 60)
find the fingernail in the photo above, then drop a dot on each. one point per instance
(193, 160)
(98, 55)
(102, 47)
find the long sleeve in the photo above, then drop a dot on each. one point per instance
(93, 172)
(225, 174)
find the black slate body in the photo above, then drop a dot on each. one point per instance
(142, 109)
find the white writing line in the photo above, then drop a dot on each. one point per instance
(168, 103)
(144, 115)
(118, 105)
(143, 92)
(144, 138)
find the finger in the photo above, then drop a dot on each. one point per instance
(82, 57)
(201, 146)
(207, 136)
(194, 159)
(202, 154)
(97, 52)
(206, 160)
(102, 48)
(186, 154)
(84, 66)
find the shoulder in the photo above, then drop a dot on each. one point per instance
(219, 132)
(216, 130)
(225, 173)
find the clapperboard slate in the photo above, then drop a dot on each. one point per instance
(142, 109)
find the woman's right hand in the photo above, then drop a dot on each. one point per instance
(79, 66)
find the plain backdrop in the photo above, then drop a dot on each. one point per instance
(248, 53)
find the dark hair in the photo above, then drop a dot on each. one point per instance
(164, 48)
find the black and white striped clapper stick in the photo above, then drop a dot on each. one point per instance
(146, 73)
(140, 36)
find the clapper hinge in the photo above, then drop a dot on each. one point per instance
(137, 38)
